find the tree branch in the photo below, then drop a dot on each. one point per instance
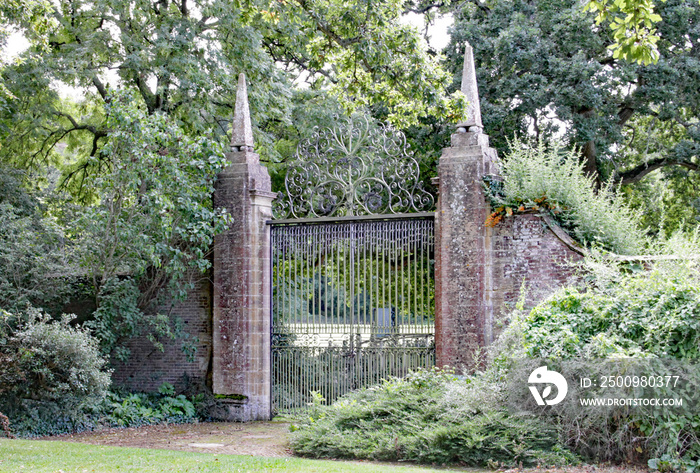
(424, 9)
(100, 88)
(326, 29)
(637, 173)
(624, 114)
(146, 94)
(481, 6)
(290, 57)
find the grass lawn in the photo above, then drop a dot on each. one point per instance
(53, 457)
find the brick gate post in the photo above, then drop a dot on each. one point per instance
(464, 312)
(241, 318)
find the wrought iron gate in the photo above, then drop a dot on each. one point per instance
(352, 303)
(352, 291)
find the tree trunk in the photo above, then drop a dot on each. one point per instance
(589, 157)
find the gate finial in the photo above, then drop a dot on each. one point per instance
(242, 135)
(471, 91)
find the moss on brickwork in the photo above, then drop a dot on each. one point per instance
(235, 397)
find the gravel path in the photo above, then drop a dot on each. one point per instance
(268, 439)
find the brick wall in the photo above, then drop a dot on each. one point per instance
(148, 367)
(525, 250)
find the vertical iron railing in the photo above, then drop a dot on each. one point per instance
(352, 304)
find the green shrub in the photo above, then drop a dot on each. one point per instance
(624, 311)
(550, 179)
(53, 381)
(55, 361)
(52, 374)
(136, 409)
(151, 218)
(428, 417)
(32, 260)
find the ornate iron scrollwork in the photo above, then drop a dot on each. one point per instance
(355, 169)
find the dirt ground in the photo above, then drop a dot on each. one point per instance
(267, 439)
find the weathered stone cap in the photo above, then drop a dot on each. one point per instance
(242, 134)
(471, 91)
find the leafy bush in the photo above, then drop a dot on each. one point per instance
(136, 409)
(51, 373)
(117, 409)
(32, 256)
(428, 417)
(5, 425)
(550, 179)
(151, 218)
(625, 311)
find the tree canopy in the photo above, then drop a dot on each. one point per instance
(632, 25)
(544, 67)
(182, 58)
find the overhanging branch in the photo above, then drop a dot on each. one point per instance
(637, 173)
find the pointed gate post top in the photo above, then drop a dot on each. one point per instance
(242, 134)
(471, 91)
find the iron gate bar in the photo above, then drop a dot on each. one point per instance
(354, 218)
(352, 303)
